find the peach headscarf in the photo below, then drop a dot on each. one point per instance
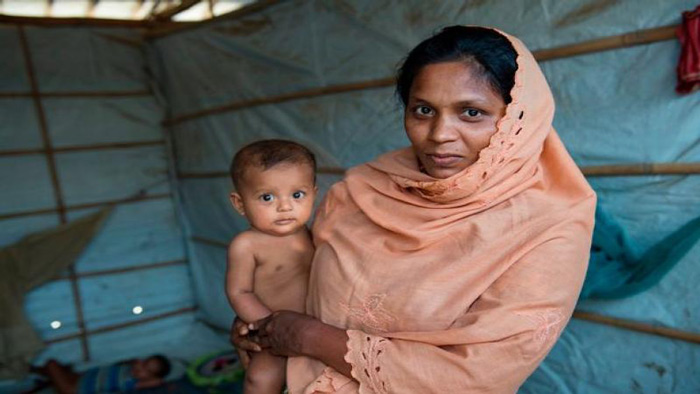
(460, 284)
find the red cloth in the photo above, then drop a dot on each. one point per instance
(689, 64)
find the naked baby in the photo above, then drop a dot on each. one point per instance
(268, 264)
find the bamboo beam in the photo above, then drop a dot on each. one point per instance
(43, 21)
(53, 171)
(120, 326)
(640, 37)
(665, 332)
(591, 171)
(643, 169)
(168, 13)
(80, 148)
(90, 94)
(140, 267)
(162, 31)
(226, 174)
(128, 200)
(309, 93)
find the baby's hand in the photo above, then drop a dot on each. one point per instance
(240, 339)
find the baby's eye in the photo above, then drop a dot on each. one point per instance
(267, 197)
(471, 112)
(423, 110)
(298, 194)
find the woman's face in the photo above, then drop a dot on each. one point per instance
(450, 116)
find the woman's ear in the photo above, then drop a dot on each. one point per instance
(237, 203)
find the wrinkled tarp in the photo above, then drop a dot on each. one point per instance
(613, 107)
(25, 265)
(616, 270)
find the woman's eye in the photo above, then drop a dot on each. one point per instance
(267, 197)
(423, 110)
(298, 194)
(471, 112)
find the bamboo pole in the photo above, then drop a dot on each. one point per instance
(309, 93)
(168, 13)
(80, 148)
(120, 326)
(639, 327)
(590, 171)
(160, 31)
(97, 22)
(226, 174)
(91, 94)
(53, 171)
(128, 200)
(640, 37)
(115, 271)
(643, 169)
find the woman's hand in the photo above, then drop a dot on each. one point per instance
(284, 332)
(242, 342)
(290, 334)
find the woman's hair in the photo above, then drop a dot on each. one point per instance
(489, 50)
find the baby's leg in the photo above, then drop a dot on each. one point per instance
(265, 374)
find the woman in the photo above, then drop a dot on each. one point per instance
(453, 265)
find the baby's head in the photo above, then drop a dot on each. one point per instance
(154, 367)
(275, 183)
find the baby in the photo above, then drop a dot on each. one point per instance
(115, 378)
(268, 265)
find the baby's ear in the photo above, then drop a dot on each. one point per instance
(237, 202)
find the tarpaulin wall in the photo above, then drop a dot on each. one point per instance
(236, 81)
(79, 130)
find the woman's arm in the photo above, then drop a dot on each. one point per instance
(290, 334)
(496, 344)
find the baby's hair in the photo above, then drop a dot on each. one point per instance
(164, 364)
(266, 154)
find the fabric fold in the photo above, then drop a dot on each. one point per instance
(25, 265)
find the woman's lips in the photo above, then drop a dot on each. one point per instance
(444, 160)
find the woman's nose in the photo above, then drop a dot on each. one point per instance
(443, 130)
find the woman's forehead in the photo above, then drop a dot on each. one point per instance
(455, 81)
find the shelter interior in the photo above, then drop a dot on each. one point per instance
(134, 109)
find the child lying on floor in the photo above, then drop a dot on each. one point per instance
(116, 378)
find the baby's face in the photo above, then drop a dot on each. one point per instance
(277, 201)
(143, 369)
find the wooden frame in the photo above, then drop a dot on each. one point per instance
(645, 328)
(634, 169)
(114, 327)
(58, 193)
(127, 200)
(645, 36)
(79, 148)
(161, 30)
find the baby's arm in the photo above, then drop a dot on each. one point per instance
(240, 275)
